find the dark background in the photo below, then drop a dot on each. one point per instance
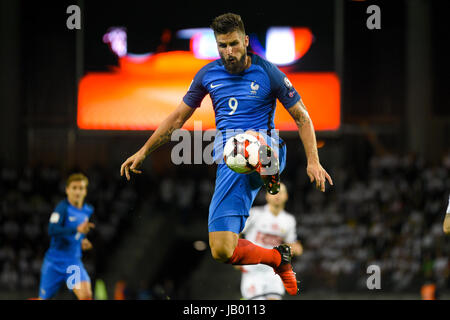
(395, 105)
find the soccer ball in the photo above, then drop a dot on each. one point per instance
(241, 153)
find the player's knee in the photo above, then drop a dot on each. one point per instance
(222, 253)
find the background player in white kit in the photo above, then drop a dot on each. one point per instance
(268, 226)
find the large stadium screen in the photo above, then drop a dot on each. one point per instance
(143, 89)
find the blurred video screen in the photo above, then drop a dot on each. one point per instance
(130, 86)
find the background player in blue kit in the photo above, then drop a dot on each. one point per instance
(69, 224)
(243, 88)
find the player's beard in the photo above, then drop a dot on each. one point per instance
(238, 66)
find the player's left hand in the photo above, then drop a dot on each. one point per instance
(132, 164)
(86, 245)
(317, 173)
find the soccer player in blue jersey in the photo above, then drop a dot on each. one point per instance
(69, 224)
(243, 88)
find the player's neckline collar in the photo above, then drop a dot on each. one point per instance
(75, 207)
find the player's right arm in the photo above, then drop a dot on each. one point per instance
(174, 121)
(56, 225)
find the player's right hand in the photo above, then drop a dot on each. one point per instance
(132, 163)
(85, 227)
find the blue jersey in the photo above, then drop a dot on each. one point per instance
(242, 101)
(65, 243)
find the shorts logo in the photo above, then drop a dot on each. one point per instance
(287, 83)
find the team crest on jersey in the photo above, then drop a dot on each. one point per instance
(254, 86)
(287, 83)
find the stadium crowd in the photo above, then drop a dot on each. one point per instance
(392, 218)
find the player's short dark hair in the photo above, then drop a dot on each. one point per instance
(227, 23)
(76, 177)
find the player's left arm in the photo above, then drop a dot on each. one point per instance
(305, 126)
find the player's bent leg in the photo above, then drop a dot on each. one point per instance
(83, 290)
(222, 245)
(247, 253)
(227, 247)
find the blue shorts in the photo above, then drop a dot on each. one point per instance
(234, 195)
(54, 273)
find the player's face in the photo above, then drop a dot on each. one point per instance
(278, 199)
(232, 48)
(76, 192)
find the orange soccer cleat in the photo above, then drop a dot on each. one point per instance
(284, 270)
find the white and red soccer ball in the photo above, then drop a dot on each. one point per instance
(241, 152)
